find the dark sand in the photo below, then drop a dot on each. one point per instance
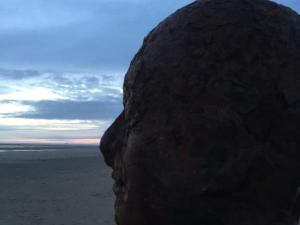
(62, 191)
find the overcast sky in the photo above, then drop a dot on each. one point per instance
(62, 64)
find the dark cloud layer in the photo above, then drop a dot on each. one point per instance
(75, 110)
(81, 34)
(17, 74)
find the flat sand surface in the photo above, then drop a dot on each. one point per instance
(56, 191)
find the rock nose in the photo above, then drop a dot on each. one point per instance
(112, 140)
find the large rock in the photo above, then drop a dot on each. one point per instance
(210, 130)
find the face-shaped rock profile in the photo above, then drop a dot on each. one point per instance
(210, 133)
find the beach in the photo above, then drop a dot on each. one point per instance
(54, 185)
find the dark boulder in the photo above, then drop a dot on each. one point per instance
(210, 129)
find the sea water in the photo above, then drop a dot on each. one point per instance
(45, 151)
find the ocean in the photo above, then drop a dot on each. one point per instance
(54, 185)
(44, 151)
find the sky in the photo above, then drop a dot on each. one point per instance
(62, 64)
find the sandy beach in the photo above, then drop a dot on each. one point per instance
(55, 188)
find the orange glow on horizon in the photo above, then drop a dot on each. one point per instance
(84, 141)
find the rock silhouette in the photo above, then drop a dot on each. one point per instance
(210, 129)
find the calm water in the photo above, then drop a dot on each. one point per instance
(43, 151)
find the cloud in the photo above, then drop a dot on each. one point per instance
(4, 89)
(68, 34)
(30, 125)
(35, 14)
(85, 86)
(24, 85)
(41, 130)
(75, 110)
(7, 108)
(57, 107)
(18, 74)
(91, 82)
(33, 94)
(81, 34)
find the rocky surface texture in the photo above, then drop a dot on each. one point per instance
(210, 129)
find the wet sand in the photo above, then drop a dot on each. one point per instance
(56, 191)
